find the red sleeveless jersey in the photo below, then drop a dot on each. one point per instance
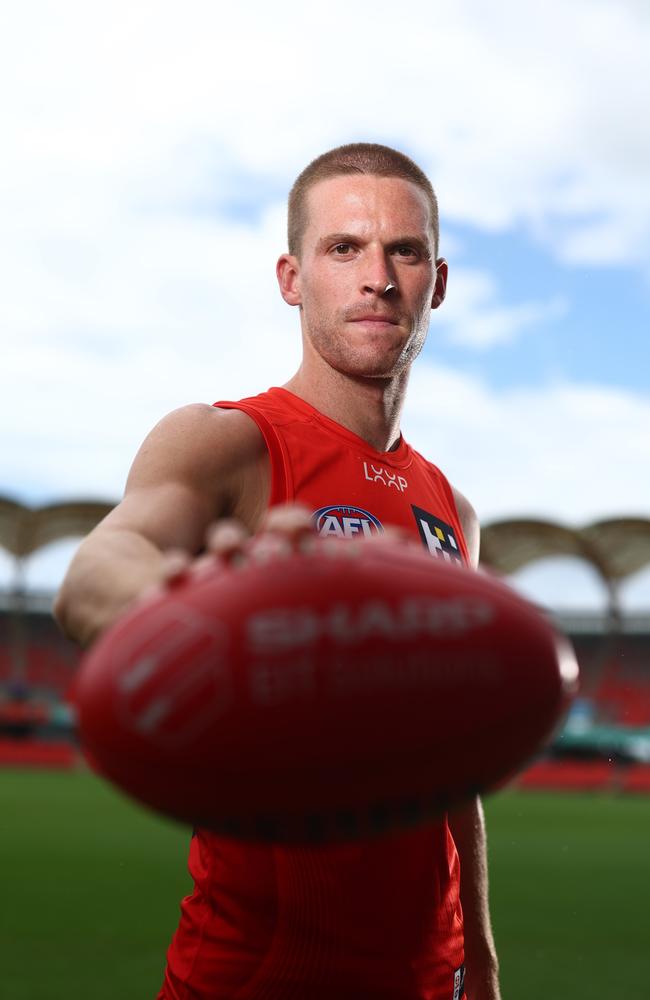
(371, 919)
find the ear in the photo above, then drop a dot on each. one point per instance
(287, 270)
(439, 292)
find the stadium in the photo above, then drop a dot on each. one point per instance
(150, 153)
(90, 875)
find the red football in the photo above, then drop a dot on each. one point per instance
(325, 694)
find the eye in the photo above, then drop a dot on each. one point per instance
(342, 249)
(404, 250)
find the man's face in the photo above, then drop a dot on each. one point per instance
(364, 234)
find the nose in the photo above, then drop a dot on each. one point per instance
(380, 288)
(378, 278)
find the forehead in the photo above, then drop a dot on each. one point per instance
(387, 207)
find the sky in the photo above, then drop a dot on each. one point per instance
(148, 149)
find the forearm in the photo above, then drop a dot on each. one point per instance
(468, 830)
(110, 570)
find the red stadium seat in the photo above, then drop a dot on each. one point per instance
(47, 669)
(31, 753)
(591, 775)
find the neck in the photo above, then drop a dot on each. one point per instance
(369, 407)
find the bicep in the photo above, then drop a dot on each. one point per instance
(178, 482)
(169, 514)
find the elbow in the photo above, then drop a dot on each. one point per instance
(61, 611)
(70, 614)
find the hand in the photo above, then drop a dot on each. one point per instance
(285, 528)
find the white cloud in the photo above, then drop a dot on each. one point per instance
(474, 316)
(517, 120)
(565, 451)
(124, 295)
(195, 326)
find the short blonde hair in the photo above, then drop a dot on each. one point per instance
(354, 158)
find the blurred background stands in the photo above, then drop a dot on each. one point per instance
(605, 742)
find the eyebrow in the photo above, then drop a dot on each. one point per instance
(415, 241)
(333, 238)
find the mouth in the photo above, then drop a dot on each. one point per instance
(375, 319)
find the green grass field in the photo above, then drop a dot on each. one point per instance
(90, 886)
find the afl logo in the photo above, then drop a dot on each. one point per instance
(340, 521)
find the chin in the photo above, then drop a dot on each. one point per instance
(371, 368)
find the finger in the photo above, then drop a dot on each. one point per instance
(175, 566)
(226, 540)
(292, 521)
(268, 546)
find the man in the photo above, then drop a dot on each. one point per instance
(373, 919)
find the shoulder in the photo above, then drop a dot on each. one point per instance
(469, 523)
(206, 421)
(202, 435)
(201, 448)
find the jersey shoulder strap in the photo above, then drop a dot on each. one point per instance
(268, 414)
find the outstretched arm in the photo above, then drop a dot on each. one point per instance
(190, 471)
